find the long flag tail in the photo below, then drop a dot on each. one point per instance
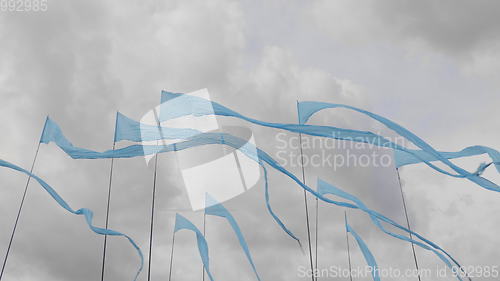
(183, 223)
(214, 208)
(87, 213)
(262, 158)
(370, 259)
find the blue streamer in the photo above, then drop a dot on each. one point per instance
(201, 109)
(325, 188)
(53, 133)
(131, 130)
(217, 209)
(307, 109)
(180, 105)
(273, 214)
(403, 158)
(87, 213)
(262, 157)
(183, 223)
(175, 105)
(370, 259)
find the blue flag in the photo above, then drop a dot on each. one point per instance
(87, 213)
(175, 105)
(260, 157)
(214, 208)
(183, 223)
(369, 258)
(325, 188)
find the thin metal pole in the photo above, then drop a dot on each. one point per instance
(348, 248)
(204, 235)
(306, 209)
(408, 224)
(171, 257)
(154, 196)
(152, 218)
(316, 239)
(305, 200)
(107, 213)
(19, 212)
(411, 236)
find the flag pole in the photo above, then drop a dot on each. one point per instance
(348, 247)
(171, 257)
(108, 205)
(408, 224)
(305, 201)
(153, 198)
(152, 218)
(21, 205)
(204, 235)
(19, 213)
(316, 233)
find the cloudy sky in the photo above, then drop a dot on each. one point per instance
(431, 66)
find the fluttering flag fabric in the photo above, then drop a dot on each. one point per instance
(183, 223)
(324, 188)
(87, 213)
(215, 208)
(273, 214)
(309, 108)
(175, 105)
(262, 157)
(369, 258)
(131, 130)
(178, 105)
(128, 129)
(53, 133)
(403, 158)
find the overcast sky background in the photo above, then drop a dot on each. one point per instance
(431, 66)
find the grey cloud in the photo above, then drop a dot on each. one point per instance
(80, 62)
(452, 27)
